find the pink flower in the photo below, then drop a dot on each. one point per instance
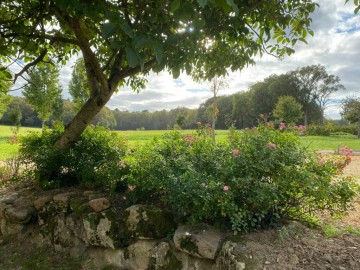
(271, 145)
(198, 123)
(235, 152)
(132, 188)
(282, 126)
(6, 177)
(226, 188)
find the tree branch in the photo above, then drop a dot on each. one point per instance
(33, 63)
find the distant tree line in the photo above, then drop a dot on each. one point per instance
(307, 89)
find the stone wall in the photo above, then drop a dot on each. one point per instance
(137, 237)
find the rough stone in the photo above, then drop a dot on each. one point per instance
(20, 215)
(230, 257)
(100, 204)
(201, 241)
(104, 229)
(148, 222)
(8, 198)
(9, 228)
(61, 201)
(41, 202)
(162, 257)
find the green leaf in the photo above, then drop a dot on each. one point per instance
(140, 41)
(108, 30)
(202, 3)
(159, 50)
(175, 5)
(126, 28)
(176, 73)
(132, 57)
(303, 40)
(357, 10)
(311, 32)
(233, 5)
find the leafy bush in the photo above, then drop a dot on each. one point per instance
(317, 130)
(256, 178)
(347, 129)
(92, 161)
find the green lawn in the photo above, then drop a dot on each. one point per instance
(330, 142)
(143, 136)
(6, 149)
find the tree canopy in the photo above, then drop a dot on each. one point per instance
(121, 39)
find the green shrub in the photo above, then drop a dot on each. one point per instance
(92, 161)
(317, 130)
(256, 178)
(347, 129)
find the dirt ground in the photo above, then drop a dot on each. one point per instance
(334, 246)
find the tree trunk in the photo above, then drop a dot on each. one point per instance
(305, 119)
(81, 120)
(213, 128)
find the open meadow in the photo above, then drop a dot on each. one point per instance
(136, 137)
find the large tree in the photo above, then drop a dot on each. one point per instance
(43, 91)
(120, 39)
(315, 85)
(351, 111)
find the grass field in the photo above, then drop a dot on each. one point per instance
(141, 137)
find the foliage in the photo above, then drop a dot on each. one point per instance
(78, 86)
(92, 161)
(288, 109)
(351, 111)
(256, 178)
(317, 130)
(122, 40)
(43, 90)
(316, 85)
(5, 85)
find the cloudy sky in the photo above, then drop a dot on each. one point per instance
(336, 45)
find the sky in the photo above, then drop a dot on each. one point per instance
(335, 45)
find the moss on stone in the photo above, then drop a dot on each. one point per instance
(153, 223)
(80, 206)
(188, 245)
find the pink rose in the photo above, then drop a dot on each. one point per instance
(235, 152)
(226, 188)
(271, 145)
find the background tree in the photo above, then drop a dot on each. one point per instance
(215, 85)
(43, 90)
(121, 39)
(15, 117)
(351, 111)
(315, 85)
(180, 120)
(78, 86)
(288, 109)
